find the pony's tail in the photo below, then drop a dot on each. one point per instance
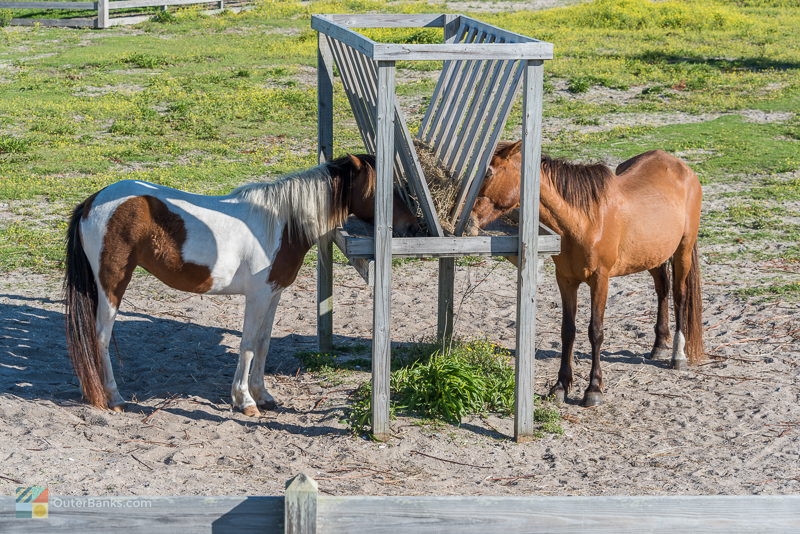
(80, 297)
(694, 312)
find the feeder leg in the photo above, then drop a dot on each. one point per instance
(325, 153)
(444, 329)
(381, 318)
(528, 249)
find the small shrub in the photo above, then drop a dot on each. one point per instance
(163, 16)
(579, 85)
(5, 17)
(13, 145)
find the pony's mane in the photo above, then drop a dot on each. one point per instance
(312, 201)
(581, 185)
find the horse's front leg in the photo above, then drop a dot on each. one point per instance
(599, 292)
(569, 307)
(256, 381)
(255, 311)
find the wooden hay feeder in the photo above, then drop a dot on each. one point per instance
(482, 70)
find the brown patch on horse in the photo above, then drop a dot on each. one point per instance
(288, 260)
(581, 185)
(142, 231)
(86, 205)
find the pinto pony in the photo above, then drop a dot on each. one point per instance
(613, 224)
(249, 242)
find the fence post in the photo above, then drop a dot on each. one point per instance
(102, 14)
(300, 506)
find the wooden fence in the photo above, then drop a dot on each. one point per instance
(103, 9)
(304, 511)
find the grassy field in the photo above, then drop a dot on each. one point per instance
(207, 103)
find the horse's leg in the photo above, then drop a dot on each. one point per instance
(256, 382)
(598, 285)
(117, 278)
(681, 264)
(661, 349)
(255, 309)
(569, 306)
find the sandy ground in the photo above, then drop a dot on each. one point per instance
(730, 426)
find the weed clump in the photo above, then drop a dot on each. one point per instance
(449, 383)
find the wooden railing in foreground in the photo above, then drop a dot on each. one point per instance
(304, 511)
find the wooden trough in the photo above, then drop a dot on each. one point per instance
(482, 70)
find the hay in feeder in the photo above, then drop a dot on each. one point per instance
(441, 183)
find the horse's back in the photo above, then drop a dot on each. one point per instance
(191, 242)
(660, 206)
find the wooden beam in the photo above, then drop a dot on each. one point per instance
(382, 319)
(61, 23)
(509, 36)
(444, 326)
(705, 514)
(48, 5)
(323, 24)
(421, 20)
(448, 246)
(421, 52)
(324, 154)
(528, 249)
(300, 506)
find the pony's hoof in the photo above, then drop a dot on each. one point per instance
(661, 353)
(558, 393)
(251, 411)
(679, 365)
(592, 398)
(270, 404)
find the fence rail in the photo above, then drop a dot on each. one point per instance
(303, 511)
(102, 8)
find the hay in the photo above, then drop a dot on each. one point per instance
(441, 183)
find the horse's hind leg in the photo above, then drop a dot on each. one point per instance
(107, 307)
(569, 306)
(661, 347)
(599, 292)
(681, 264)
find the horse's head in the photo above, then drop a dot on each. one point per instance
(362, 198)
(504, 167)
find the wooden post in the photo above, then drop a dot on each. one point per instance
(324, 154)
(102, 14)
(381, 317)
(447, 271)
(528, 248)
(300, 506)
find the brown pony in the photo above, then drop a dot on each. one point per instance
(613, 224)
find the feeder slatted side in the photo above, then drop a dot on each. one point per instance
(360, 80)
(361, 112)
(449, 140)
(475, 115)
(487, 138)
(448, 70)
(443, 94)
(470, 116)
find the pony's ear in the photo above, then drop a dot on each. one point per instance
(357, 163)
(509, 150)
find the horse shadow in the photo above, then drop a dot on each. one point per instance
(153, 358)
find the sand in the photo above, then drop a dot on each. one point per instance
(729, 426)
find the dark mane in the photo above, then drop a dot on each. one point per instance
(341, 171)
(581, 185)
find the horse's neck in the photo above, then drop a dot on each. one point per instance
(558, 214)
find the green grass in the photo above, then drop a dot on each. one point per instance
(208, 103)
(448, 383)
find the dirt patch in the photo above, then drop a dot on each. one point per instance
(726, 427)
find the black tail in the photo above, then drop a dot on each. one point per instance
(80, 296)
